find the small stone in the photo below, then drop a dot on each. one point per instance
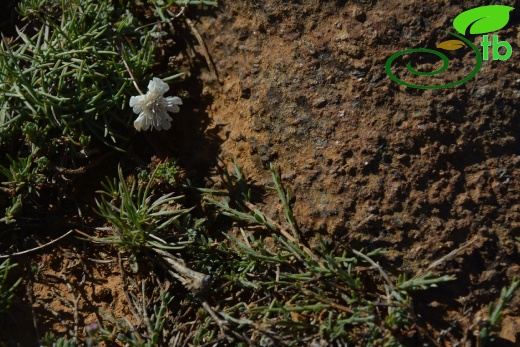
(351, 50)
(481, 92)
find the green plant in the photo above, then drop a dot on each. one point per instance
(23, 178)
(136, 218)
(495, 312)
(294, 294)
(166, 171)
(69, 77)
(6, 292)
(49, 340)
(64, 82)
(122, 331)
(12, 210)
(22, 174)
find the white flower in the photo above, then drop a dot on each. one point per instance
(153, 106)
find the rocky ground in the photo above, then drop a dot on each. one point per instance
(419, 173)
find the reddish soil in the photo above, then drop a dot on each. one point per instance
(370, 162)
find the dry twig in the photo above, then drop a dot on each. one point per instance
(37, 248)
(204, 49)
(195, 281)
(127, 295)
(447, 257)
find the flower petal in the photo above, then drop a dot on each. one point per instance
(159, 85)
(174, 99)
(166, 123)
(153, 107)
(172, 108)
(140, 123)
(136, 103)
(151, 85)
(170, 103)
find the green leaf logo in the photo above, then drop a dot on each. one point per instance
(482, 20)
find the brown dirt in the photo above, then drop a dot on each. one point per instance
(369, 162)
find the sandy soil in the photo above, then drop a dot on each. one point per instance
(370, 162)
